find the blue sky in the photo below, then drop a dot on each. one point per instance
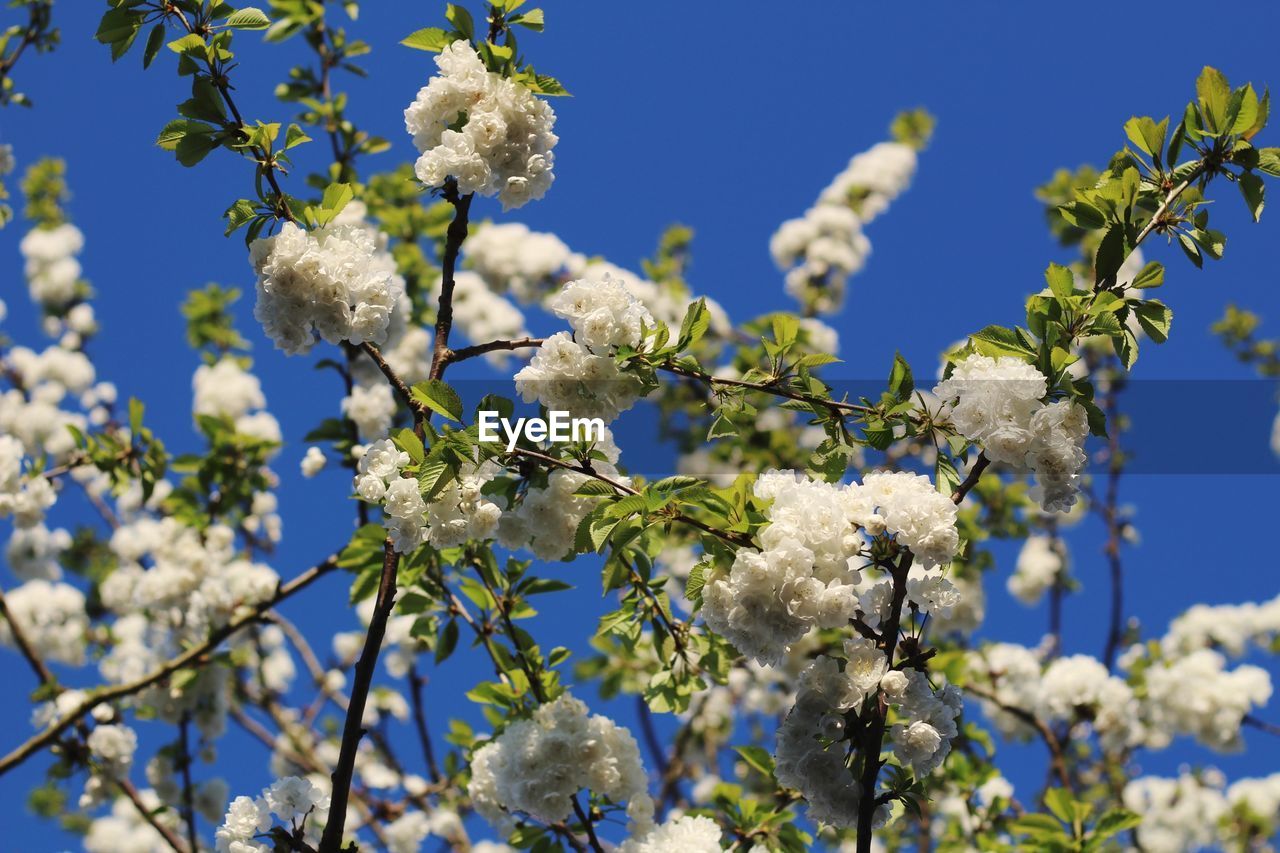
(728, 118)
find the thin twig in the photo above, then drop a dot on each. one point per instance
(170, 837)
(24, 646)
(1057, 757)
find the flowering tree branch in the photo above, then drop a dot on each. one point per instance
(160, 673)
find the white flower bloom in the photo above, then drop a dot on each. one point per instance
(504, 145)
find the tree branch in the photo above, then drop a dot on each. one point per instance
(873, 740)
(25, 648)
(192, 655)
(353, 728)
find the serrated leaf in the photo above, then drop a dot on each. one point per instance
(248, 18)
(1254, 193)
(439, 398)
(1061, 281)
(433, 39)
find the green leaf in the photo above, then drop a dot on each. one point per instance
(1269, 161)
(155, 41)
(533, 19)
(187, 43)
(696, 322)
(758, 758)
(1214, 94)
(1114, 822)
(408, 441)
(433, 39)
(1061, 803)
(901, 383)
(1060, 280)
(995, 341)
(135, 416)
(1252, 189)
(439, 398)
(1151, 275)
(460, 18)
(295, 136)
(1155, 318)
(447, 641)
(248, 18)
(1083, 215)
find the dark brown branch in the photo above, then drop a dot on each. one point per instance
(353, 728)
(975, 474)
(873, 739)
(188, 789)
(454, 238)
(455, 355)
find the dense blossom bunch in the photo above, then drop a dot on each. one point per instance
(997, 403)
(511, 257)
(537, 765)
(546, 520)
(56, 381)
(873, 179)
(820, 250)
(458, 514)
(685, 834)
(1039, 567)
(811, 755)
(225, 389)
(53, 273)
(1233, 628)
(1196, 694)
(52, 617)
(532, 265)
(922, 740)
(1195, 811)
(322, 282)
(25, 497)
(578, 373)
(809, 569)
(293, 801)
(503, 146)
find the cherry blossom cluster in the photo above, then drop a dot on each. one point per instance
(295, 802)
(1041, 562)
(537, 765)
(809, 570)
(532, 266)
(53, 272)
(577, 373)
(822, 249)
(1194, 810)
(546, 520)
(686, 834)
(370, 405)
(24, 496)
(457, 514)
(323, 282)
(997, 403)
(484, 130)
(225, 389)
